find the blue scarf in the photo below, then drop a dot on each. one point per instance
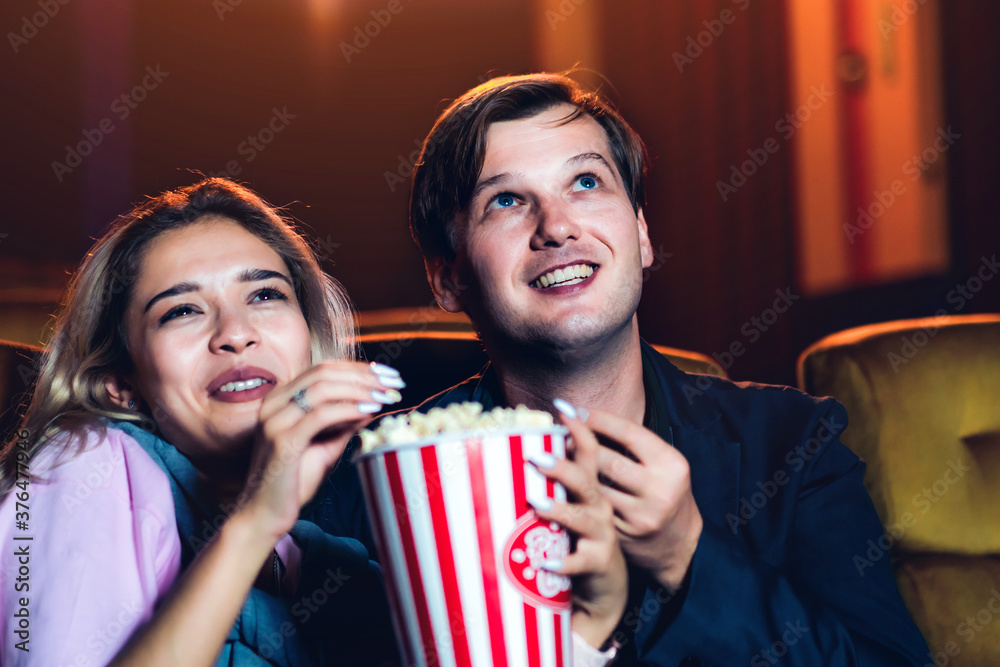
(338, 614)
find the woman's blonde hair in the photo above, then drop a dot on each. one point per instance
(89, 343)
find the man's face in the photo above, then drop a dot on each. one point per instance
(549, 252)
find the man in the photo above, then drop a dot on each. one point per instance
(527, 206)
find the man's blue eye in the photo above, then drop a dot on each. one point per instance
(586, 182)
(503, 201)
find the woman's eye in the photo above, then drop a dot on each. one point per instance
(179, 311)
(585, 183)
(503, 201)
(269, 294)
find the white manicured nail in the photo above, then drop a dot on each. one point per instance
(543, 504)
(391, 381)
(386, 397)
(382, 369)
(543, 460)
(566, 408)
(369, 408)
(553, 565)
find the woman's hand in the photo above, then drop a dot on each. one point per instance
(596, 566)
(303, 429)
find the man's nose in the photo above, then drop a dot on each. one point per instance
(233, 332)
(555, 225)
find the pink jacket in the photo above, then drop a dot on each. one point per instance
(103, 549)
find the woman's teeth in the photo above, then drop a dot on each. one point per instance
(569, 275)
(242, 385)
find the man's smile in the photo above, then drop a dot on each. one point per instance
(563, 276)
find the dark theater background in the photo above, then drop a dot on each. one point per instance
(817, 164)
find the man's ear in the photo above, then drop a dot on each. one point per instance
(122, 393)
(645, 247)
(443, 279)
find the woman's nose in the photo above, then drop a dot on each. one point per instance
(233, 332)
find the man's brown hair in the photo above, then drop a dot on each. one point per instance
(453, 153)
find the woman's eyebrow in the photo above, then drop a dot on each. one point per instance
(246, 276)
(179, 288)
(256, 275)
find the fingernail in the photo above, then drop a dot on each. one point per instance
(543, 460)
(369, 408)
(543, 504)
(553, 565)
(391, 381)
(386, 397)
(566, 408)
(583, 414)
(382, 369)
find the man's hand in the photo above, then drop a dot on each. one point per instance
(596, 566)
(656, 516)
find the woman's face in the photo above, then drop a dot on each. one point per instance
(213, 326)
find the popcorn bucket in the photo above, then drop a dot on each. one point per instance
(462, 550)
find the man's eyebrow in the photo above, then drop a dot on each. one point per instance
(246, 276)
(488, 183)
(587, 157)
(179, 288)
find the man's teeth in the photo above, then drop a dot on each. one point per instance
(242, 385)
(569, 275)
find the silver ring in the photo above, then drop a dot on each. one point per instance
(299, 399)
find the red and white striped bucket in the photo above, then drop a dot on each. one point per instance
(461, 548)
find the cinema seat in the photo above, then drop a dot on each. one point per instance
(923, 403)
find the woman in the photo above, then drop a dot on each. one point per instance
(197, 390)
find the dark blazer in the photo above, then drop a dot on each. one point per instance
(785, 571)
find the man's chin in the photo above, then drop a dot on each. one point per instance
(558, 346)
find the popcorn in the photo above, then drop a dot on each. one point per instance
(468, 416)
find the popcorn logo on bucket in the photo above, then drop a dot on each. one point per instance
(531, 544)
